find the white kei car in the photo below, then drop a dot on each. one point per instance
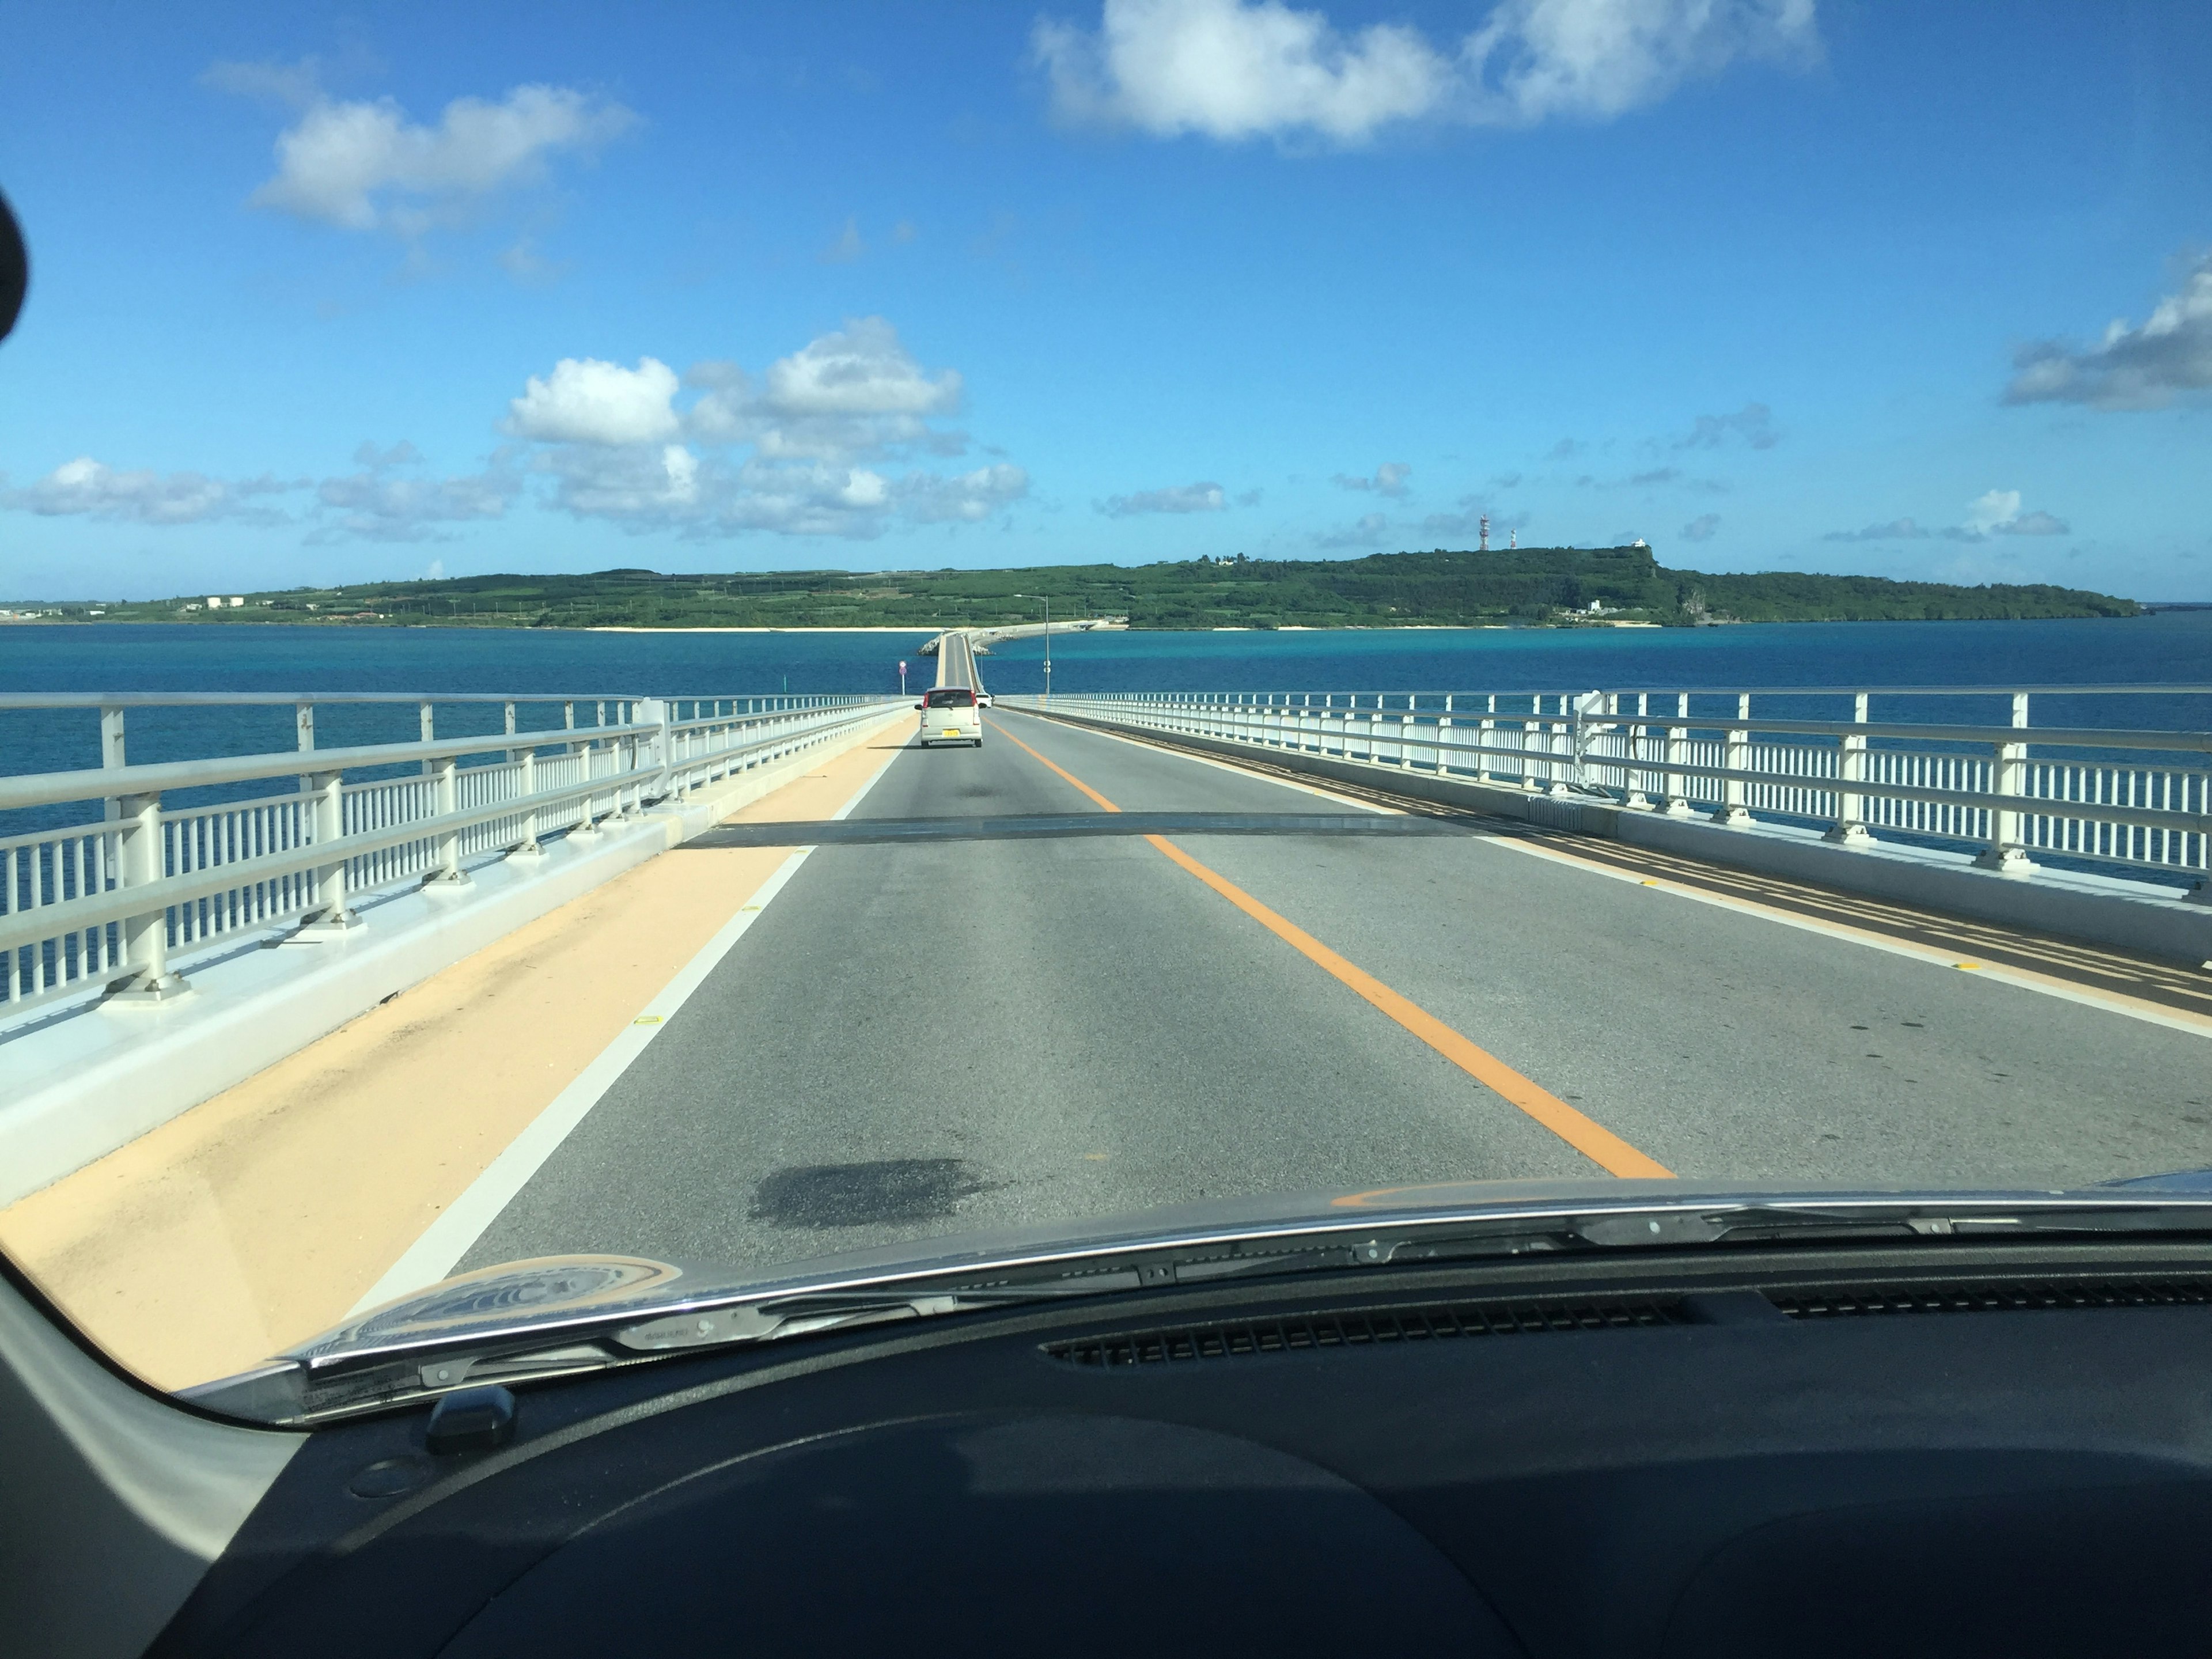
(950, 714)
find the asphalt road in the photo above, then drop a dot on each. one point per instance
(946, 1025)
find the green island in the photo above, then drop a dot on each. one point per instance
(1537, 587)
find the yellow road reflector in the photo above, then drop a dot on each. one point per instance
(1968, 966)
(647, 1019)
(1647, 884)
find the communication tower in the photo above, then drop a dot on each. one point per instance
(1513, 539)
(1486, 532)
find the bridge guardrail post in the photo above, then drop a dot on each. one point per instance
(1735, 756)
(656, 711)
(303, 723)
(1676, 804)
(139, 861)
(626, 796)
(1632, 792)
(1850, 830)
(527, 847)
(2007, 775)
(1564, 731)
(112, 756)
(446, 788)
(327, 816)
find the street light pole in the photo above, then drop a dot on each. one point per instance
(1048, 650)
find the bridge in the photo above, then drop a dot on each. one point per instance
(288, 1030)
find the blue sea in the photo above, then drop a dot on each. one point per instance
(2169, 649)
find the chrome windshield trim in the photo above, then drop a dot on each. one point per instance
(388, 1333)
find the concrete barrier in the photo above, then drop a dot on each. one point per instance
(82, 1082)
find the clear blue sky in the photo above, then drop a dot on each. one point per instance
(321, 295)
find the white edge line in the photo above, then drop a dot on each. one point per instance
(434, 1255)
(2108, 1003)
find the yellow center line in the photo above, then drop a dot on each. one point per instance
(1591, 1139)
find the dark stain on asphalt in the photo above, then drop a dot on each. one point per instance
(896, 1190)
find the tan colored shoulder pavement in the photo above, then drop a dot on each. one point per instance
(258, 1218)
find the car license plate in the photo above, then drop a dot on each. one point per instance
(951, 732)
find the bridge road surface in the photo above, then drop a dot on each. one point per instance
(948, 1030)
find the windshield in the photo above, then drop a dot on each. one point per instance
(1560, 595)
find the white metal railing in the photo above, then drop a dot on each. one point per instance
(2134, 801)
(119, 900)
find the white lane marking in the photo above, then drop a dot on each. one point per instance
(453, 1235)
(2109, 1002)
(1244, 772)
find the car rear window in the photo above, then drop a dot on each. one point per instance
(952, 697)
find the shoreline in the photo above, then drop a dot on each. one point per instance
(928, 629)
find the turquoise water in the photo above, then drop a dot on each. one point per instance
(2171, 648)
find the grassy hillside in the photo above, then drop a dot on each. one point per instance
(1541, 587)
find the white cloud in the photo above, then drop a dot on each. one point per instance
(1235, 70)
(1993, 513)
(1229, 69)
(655, 483)
(586, 401)
(1594, 59)
(827, 429)
(2038, 523)
(1389, 480)
(854, 394)
(1753, 423)
(1992, 510)
(1175, 498)
(96, 490)
(1897, 530)
(1367, 533)
(372, 505)
(1701, 528)
(362, 166)
(861, 370)
(2130, 367)
(848, 247)
(967, 498)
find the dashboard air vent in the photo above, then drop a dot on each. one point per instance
(1366, 1329)
(1855, 1301)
